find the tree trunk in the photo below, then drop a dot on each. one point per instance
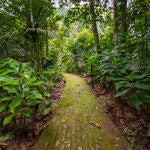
(47, 50)
(124, 16)
(145, 32)
(94, 26)
(115, 3)
(124, 23)
(36, 47)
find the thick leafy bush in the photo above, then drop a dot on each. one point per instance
(21, 91)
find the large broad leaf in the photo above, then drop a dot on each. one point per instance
(32, 102)
(123, 84)
(131, 76)
(4, 62)
(2, 107)
(146, 98)
(5, 99)
(34, 95)
(33, 79)
(15, 103)
(140, 76)
(122, 92)
(9, 80)
(7, 120)
(142, 86)
(15, 65)
(25, 66)
(135, 101)
(9, 88)
(5, 71)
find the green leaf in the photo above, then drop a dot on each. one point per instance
(146, 98)
(15, 103)
(134, 101)
(4, 62)
(123, 84)
(9, 80)
(37, 83)
(47, 94)
(5, 99)
(119, 79)
(32, 102)
(33, 79)
(15, 65)
(46, 110)
(5, 137)
(140, 76)
(142, 86)
(105, 98)
(34, 95)
(7, 120)
(5, 71)
(2, 107)
(122, 92)
(26, 112)
(9, 88)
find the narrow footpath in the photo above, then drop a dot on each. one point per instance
(79, 122)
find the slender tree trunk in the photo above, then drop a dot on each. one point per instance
(124, 16)
(94, 26)
(115, 3)
(47, 50)
(36, 47)
(124, 23)
(35, 39)
(145, 32)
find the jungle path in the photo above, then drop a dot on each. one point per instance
(79, 122)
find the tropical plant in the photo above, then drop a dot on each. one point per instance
(20, 90)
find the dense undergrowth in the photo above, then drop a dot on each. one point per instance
(24, 94)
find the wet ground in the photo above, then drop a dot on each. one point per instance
(79, 122)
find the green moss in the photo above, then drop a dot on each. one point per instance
(70, 127)
(47, 139)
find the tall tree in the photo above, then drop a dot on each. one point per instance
(124, 16)
(115, 4)
(94, 25)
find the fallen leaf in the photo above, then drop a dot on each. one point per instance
(117, 139)
(66, 142)
(117, 145)
(63, 121)
(96, 125)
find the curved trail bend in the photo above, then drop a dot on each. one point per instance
(79, 122)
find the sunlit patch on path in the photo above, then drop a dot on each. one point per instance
(79, 122)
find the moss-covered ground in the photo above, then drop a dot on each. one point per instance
(79, 122)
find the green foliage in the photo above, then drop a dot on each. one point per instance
(128, 132)
(51, 75)
(4, 138)
(20, 89)
(79, 49)
(126, 74)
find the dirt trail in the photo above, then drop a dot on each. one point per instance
(79, 122)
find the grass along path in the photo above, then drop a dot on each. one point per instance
(79, 122)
